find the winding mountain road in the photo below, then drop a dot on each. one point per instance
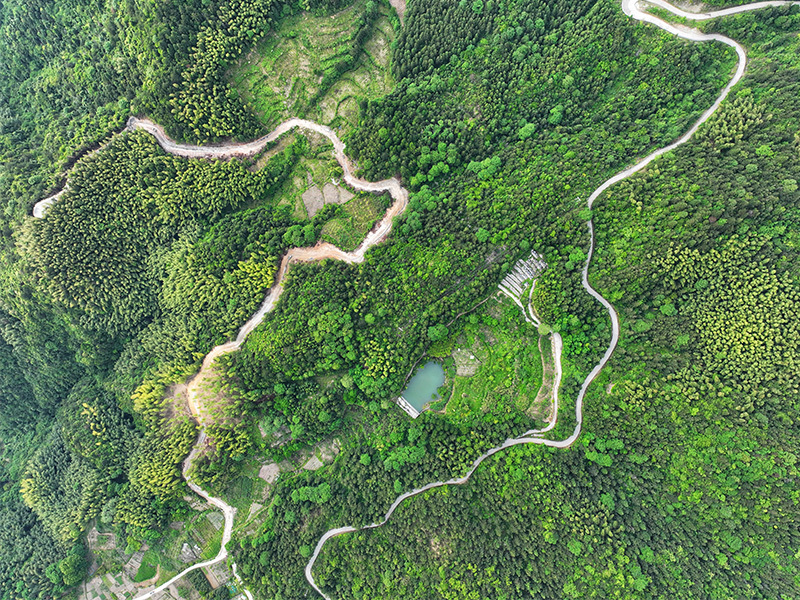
(315, 253)
(379, 233)
(630, 8)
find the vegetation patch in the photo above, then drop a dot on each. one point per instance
(499, 359)
(319, 66)
(350, 224)
(146, 571)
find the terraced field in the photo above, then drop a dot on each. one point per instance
(283, 75)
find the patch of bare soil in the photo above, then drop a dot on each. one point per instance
(466, 362)
(329, 450)
(254, 508)
(338, 194)
(400, 7)
(313, 200)
(270, 472)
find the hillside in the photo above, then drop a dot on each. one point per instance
(257, 220)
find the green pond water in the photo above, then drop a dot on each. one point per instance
(422, 387)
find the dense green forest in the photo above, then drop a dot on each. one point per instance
(505, 114)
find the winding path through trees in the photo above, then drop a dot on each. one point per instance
(379, 233)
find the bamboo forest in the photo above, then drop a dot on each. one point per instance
(399, 299)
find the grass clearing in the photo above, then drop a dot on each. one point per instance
(355, 219)
(146, 571)
(501, 351)
(286, 74)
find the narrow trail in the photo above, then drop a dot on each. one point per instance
(556, 348)
(379, 233)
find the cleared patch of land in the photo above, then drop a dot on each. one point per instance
(287, 73)
(356, 218)
(315, 181)
(498, 361)
(400, 7)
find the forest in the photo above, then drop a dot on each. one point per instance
(504, 114)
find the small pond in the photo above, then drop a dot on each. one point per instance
(422, 387)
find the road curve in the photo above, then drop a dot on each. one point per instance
(319, 252)
(228, 511)
(631, 8)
